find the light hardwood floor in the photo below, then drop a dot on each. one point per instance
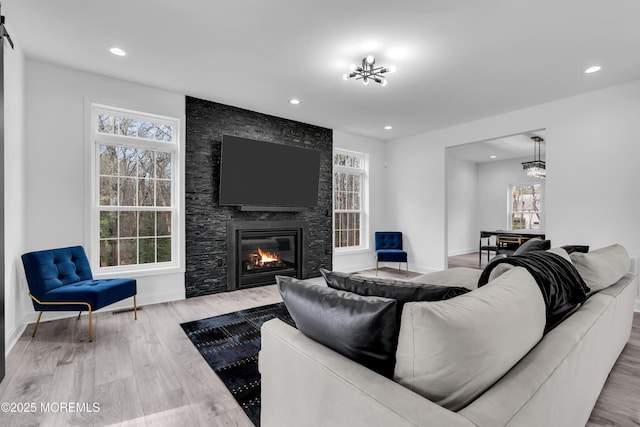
(147, 372)
(469, 260)
(141, 373)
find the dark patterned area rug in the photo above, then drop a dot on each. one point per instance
(230, 344)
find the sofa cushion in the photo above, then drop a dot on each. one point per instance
(458, 276)
(602, 267)
(499, 270)
(401, 291)
(452, 351)
(562, 252)
(362, 328)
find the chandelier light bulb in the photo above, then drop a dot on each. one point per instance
(345, 77)
(352, 67)
(370, 59)
(384, 83)
(392, 68)
(365, 81)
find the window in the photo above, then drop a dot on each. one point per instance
(134, 197)
(525, 211)
(349, 185)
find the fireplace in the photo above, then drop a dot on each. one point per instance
(266, 253)
(257, 251)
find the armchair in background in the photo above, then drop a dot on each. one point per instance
(389, 248)
(61, 280)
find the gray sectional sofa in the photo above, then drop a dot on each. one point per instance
(530, 378)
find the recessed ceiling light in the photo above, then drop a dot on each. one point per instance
(117, 51)
(294, 101)
(592, 69)
(387, 127)
(492, 157)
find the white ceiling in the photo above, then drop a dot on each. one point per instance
(457, 61)
(499, 149)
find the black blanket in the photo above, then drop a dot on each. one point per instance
(562, 287)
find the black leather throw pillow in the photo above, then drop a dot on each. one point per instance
(576, 248)
(401, 291)
(361, 328)
(536, 244)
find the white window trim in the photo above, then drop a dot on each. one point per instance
(509, 203)
(92, 223)
(364, 203)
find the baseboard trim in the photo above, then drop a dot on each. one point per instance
(12, 337)
(423, 269)
(353, 268)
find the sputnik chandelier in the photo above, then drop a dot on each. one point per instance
(368, 71)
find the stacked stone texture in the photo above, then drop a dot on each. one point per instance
(206, 221)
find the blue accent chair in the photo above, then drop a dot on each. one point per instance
(61, 280)
(389, 248)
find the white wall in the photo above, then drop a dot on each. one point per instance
(46, 193)
(494, 179)
(14, 192)
(57, 190)
(365, 259)
(462, 206)
(592, 152)
(416, 205)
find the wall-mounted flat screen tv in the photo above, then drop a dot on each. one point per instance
(257, 173)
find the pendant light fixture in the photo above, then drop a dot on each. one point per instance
(536, 168)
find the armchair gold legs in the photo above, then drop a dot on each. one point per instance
(37, 324)
(35, 329)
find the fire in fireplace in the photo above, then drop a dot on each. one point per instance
(263, 260)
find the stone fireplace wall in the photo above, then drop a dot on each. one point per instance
(206, 221)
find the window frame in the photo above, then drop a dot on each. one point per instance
(96, 139)
(363, 172)
(510, 211)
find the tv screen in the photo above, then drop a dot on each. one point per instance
(256, 173)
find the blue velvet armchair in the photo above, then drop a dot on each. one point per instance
(61, 280)
(389, 248)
